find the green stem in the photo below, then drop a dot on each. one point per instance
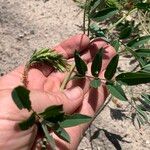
(100, 109)
(84, 17)
(63, 85)
(89, 22)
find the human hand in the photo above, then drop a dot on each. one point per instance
(44, 86)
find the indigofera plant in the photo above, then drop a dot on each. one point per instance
(124, 36)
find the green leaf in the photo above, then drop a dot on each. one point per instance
(125, 33)
(61, 133)
(142, 114)
(146, 98)
(97, 63)
(111, 68)
(140, 119)
(134, 78)
(53, 113)
(20, 96)
(116, 91)
(113, 3)
(95, 4)
(144, 6)
(80, 64)
(143, 52)
(116, 44)
(136, 121)
(49, 138)
(103, 14)
(138, 41)
(146, 68)
(74, 120)
(25, 125)
(141, 61)
(95, 83)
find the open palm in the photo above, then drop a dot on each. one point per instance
(44, 85)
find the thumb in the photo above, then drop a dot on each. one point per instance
(71, 99)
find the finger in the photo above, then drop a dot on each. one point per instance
(90, 105)
(54, 81)
(94, 47)
(12, 79)
(77, 42)
(71, 99)
(34, 78)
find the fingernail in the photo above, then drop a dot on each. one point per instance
(74, 93)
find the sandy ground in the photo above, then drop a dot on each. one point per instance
(26, 25)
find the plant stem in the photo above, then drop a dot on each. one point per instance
(84, 17)
(25, 74)
(63, 85)
(121, 19)
(89, 22)
(102, 108)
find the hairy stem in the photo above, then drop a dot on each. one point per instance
(25, 74)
